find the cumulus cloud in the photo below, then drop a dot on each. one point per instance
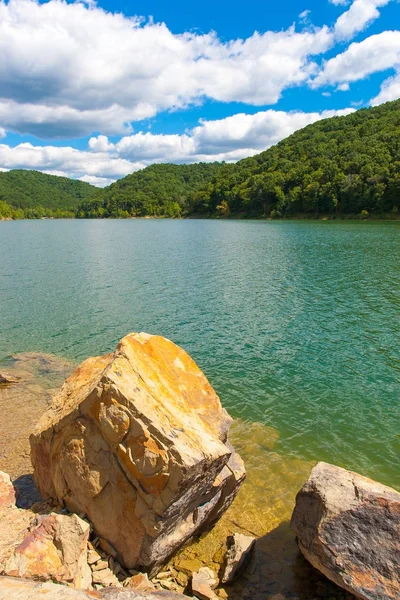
(71, 69)
(360, 14)
(390, 90)
(339, 2)
(361, 59)
(65, 161)
(227, 139)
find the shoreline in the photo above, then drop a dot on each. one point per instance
(235, 217)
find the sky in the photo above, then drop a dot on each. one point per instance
(97, 90)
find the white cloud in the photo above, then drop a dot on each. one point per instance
(343, 87)
(390, 90)
(303, 16)
(66, 161)
(72, 69)
(360, 14)
(2, 132)
(339, 2)
(227, 139)
(375, 53)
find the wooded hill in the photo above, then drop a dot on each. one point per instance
(32, 194)
(158, 190)
(339, 166)
(342, 165)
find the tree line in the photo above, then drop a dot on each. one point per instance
(339, 166)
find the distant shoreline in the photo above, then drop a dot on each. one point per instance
(233, 217)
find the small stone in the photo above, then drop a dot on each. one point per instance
(105, 578)
(6, 378)
(139, 582)
(169, 585)
(93, 557)
(182, 579)
(203, 584)
(163, 575)
(100, 566)
(239, 549)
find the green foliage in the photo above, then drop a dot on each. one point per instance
(42, 194)
(159, 191)
(342, 165)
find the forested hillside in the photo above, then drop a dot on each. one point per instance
(32, 194)
(158, 190)
(342, 165)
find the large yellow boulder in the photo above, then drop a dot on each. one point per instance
(137, 440)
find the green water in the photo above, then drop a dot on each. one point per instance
(296, 324)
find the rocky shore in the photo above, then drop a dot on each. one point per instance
(134, 465)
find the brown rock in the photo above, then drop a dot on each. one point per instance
(348, 527)
(8, 494)
(139, 582)
(54, 549)
(14, 523)
(137, 440)
(238, 553)
(203, 584)
(6, 378)
(22, 589)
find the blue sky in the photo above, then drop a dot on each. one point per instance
(96, 90)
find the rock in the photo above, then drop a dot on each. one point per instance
(203, 584)
(6, 378)
(105, 577)
(22, 589)
(348, 527)
(139, 582)
(8, 495)
(54, 549)
(238, 553)
(137, 440)
(14, 523)
(93, 557)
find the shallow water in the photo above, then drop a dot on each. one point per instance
(296, 324)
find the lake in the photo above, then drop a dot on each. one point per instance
(295, 323)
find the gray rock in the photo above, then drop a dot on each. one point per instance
(238, 553)
(348, 527)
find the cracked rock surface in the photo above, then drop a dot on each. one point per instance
(348, 527)
(137, 440)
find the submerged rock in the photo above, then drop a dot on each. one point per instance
(6, 378)
(137, 440)
(238, 553)
(348, 527)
